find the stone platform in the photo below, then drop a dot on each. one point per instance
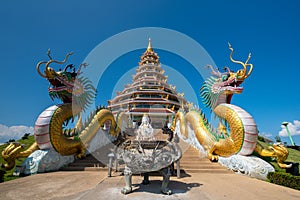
(96, 185)
(200, 179)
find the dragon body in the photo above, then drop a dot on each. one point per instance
(50, 131)
(237, 131)
(243, 135)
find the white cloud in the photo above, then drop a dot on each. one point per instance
(267, 135)
(294, 129)
(13, 132)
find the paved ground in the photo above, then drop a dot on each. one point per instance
(95, 185)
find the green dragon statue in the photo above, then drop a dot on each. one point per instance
(76, 94)
(216, 93)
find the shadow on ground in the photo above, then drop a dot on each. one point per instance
(177, 187)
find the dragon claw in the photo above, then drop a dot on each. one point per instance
(81, 153)
(10, 154)
(15, 151)
(79, 156)
(213, 158)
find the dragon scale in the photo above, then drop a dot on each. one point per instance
(49, 133)
(243, 131)
(243, 135)
(60, 143)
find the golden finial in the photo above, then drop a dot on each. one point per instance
(149, 48)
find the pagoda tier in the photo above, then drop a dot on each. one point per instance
(148, 93)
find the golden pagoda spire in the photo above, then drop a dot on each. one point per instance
(149, 48)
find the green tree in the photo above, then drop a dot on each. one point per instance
(277, 138)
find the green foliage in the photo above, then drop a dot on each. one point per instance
(25, 136)
(294, 155)
(277, 139)
(8, 175)
(285, 179)
(2, 173)
(260, 138)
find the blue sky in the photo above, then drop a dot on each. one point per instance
(269, 29)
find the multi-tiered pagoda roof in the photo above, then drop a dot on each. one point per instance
(148, 93)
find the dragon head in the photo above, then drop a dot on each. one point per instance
(220, 87)
(66, 84)
(280, 153)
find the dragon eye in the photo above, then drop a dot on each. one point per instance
(224, 77)
(239, 73)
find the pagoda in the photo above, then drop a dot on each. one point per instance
(149, 93)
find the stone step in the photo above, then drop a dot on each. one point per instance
(83, 161)
(202, 160)
(200, 166)
(189, 166)
(198, 163)
(212, 171)
(191, 162)
(83, 168)
(195, 161)
(93, 162)
(88, 164)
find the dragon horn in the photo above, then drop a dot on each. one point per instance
(250, 65)
(71, 66)
(80, 66)
(227, 68)
(213, 71)
(238, 62)
(38, 69)
(55, 61)
(229, 46)
(48, 53)
(250, 70)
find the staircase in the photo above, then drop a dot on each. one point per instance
(90, 163)
(97, 161)
(191, 162)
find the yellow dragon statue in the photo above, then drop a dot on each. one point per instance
(76, 94)
(217, 92)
